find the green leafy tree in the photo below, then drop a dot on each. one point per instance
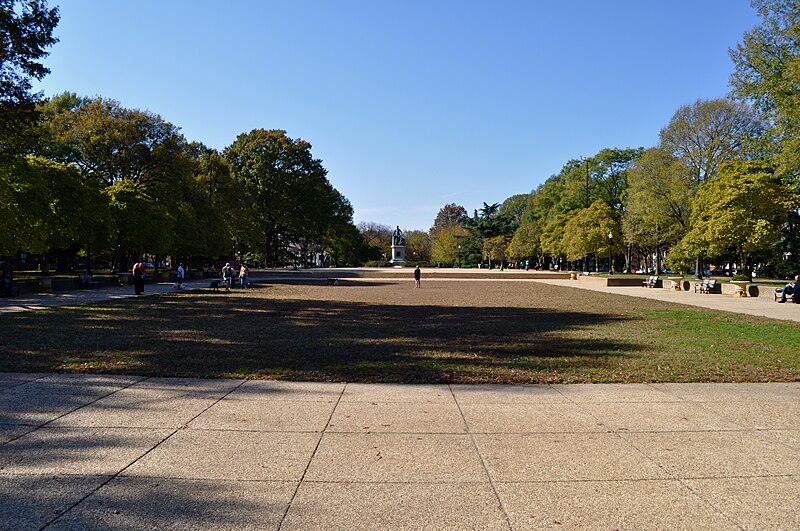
(26, 32)
(586, 233)
(525, 242)
(705, 135)
(740, 212)
(132, 155)
(445, 246)
(767, 73)
(418, 246)
(514, 207)
(659, 202)
(552, 238)
(291, 196)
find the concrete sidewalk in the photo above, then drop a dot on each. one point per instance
(763, 306)
(83, 452)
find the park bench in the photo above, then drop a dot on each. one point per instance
(707, 285)
(650, 282)
(333, 281)
(789, 298)
(88, 282)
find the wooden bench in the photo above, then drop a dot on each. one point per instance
(88, 282)
(650, 282)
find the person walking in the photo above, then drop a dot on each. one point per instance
(181, 276)
(243, 272)
(417, 276)
(138, 277)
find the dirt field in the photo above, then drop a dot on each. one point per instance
(374, 331)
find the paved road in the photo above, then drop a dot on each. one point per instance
(83, 452)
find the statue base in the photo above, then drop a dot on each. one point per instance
(398, 255)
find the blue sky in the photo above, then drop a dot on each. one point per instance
(410, 104)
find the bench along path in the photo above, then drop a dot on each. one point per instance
(764, 306)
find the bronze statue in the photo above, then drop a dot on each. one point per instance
(397, 237)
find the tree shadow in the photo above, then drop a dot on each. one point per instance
(323, 340)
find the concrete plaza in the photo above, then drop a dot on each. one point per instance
(84, 452)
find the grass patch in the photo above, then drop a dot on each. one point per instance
(465, 331)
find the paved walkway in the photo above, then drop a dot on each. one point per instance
(763, 306)
(89, 452)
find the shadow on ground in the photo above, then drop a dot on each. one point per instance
(212, 336)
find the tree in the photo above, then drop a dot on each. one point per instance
(377, 239)
(445, 244)
(448, 216)
(132, 155)
(767, 73)
(659, 202)
(586, 233)
(525, 242)
(514, 207)
(418, 246)
(291, 196)
(740, 212)
(552, 238)
(26, 31)
(767, 69)
(706, 134)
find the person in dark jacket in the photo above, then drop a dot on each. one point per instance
(417, 276)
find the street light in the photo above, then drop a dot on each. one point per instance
(610, 255)
(458, 257)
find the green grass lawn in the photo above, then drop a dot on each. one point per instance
(449, 331)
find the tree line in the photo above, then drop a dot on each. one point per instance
(721, 186)
(87, 177)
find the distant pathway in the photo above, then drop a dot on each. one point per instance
(760, 306)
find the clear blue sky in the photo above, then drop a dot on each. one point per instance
(410, 104)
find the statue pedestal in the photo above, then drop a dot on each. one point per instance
(398, 255)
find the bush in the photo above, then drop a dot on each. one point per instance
(740, 277)
(377, 263)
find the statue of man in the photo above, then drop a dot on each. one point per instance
(397, 237)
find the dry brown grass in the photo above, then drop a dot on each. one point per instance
(449, 331)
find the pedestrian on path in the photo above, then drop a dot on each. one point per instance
(417, 276)
(243, 272)
(138, 277)
(181, 276)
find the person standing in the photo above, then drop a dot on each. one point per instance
(227, 276)
(417, 276)
(138, 278)
(181, 276)
(243, 272)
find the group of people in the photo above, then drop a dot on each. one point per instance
(229, 274)
(791, 289)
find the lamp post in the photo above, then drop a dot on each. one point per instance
(458, 256)
(610, 254)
